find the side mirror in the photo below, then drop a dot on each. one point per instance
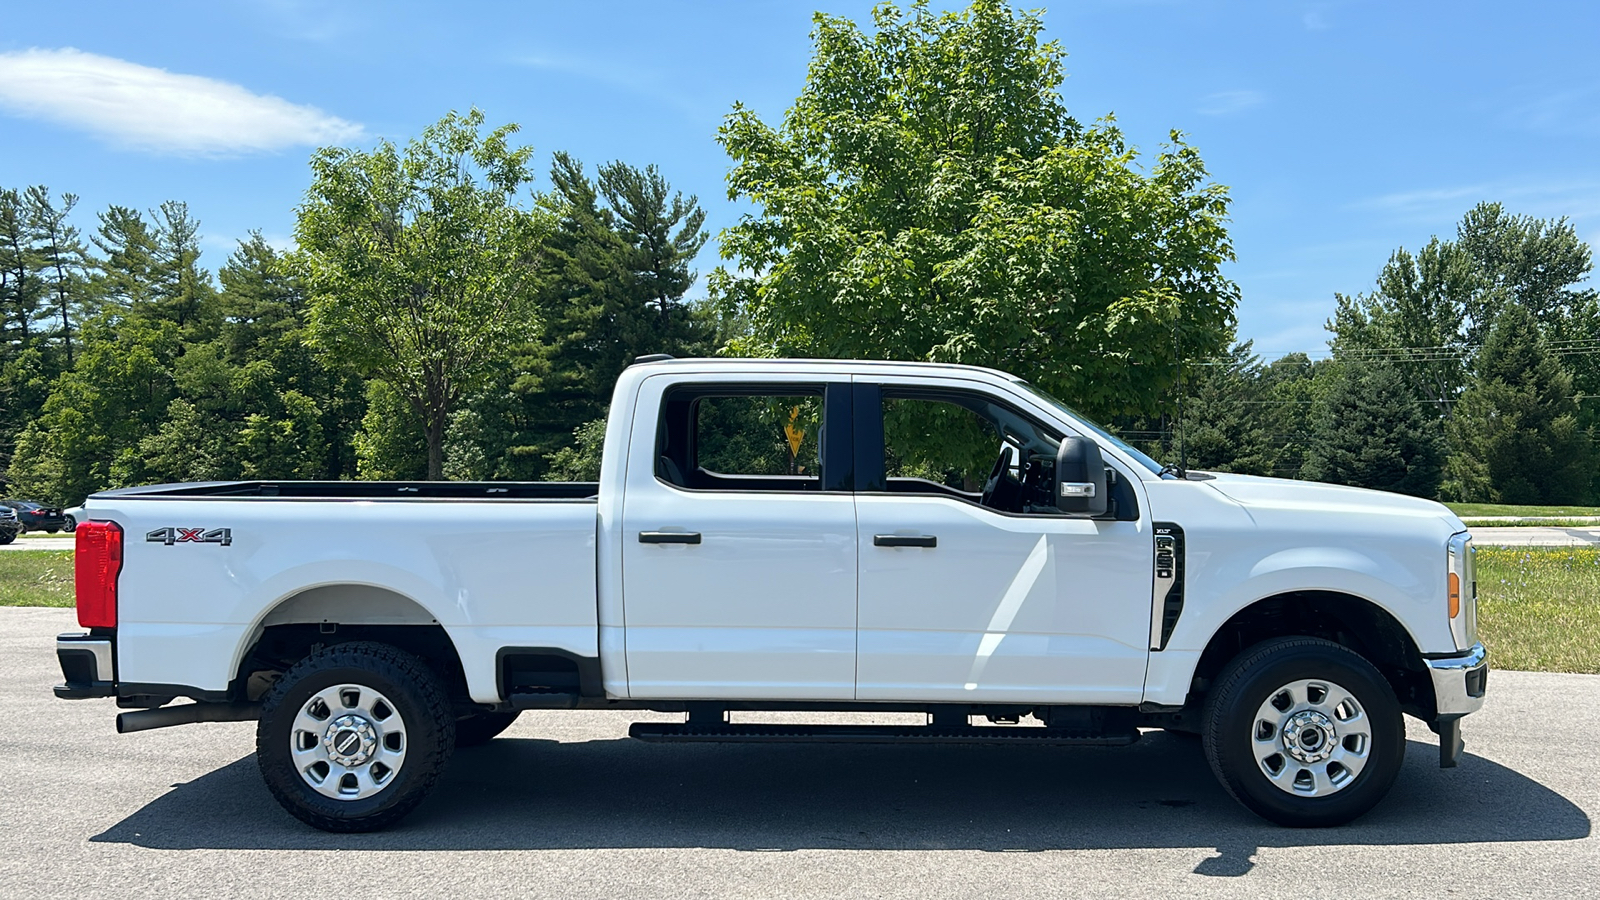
(1080, 478)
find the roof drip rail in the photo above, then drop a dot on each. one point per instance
(652, 357)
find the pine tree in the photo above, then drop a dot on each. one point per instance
(1373, 431)
(1223, 422)
(63, 261)
(1515, 433)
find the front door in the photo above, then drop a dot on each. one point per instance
(739, 542)
(972, 588)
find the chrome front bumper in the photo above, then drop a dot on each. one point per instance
(86, 665)
(1459, 682)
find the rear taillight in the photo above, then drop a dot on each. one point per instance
(96, 565)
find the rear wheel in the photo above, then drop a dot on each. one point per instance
(353, 737)
(1304, 732)
(482, 727)
(70, 526)
(51, 530)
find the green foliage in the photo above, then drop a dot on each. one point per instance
(581, 461)
(390, 445)
(939, 441)
(1225, 428)
(928, 197)
(1373, 431)
(1421, 301)
(613, 272)
(1515, 434)
(419, 263)
(747, 436)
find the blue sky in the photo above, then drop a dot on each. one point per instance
(1343, 129)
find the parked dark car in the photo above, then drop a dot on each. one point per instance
(36, 516)
(9, 526)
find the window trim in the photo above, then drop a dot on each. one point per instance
(868, 397)
(835, 433)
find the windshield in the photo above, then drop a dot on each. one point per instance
(1143, 460)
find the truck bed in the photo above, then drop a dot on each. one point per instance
(367, 490)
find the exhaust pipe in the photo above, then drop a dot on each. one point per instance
(187, 714)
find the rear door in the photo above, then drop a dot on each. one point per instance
(739, 540)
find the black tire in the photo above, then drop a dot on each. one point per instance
(1255, 678)
(7, 537)
(413, 690)
(70, 526)
(482, 727)
(51, 530)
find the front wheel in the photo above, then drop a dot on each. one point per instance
(1304, 732)
(353, 737)
(7, 537)
(70, 526)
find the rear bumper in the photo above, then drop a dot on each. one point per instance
(1460, 682)
(87, 665)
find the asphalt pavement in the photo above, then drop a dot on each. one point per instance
(566, 806)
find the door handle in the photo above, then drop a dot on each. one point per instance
(669, 537)
(905, 540)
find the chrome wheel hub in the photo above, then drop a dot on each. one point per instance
(1311, 738)
(1308, 736)
(348, 742)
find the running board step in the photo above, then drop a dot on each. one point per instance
(874, 734)
(543, 700)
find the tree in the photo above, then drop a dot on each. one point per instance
(1287, 402)
(63, 259)
(21, 287)
(1515, 434)
(1225, 426)
(612, 277)
(929, 197)
(419, 262)
(1431, 311)
(1533, 263)
(1418, 317)
(1373, 431)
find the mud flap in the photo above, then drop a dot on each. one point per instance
(1451, 746)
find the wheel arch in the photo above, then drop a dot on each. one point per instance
(1355, 622)
(338, 613)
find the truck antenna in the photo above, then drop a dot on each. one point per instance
(1177, 355)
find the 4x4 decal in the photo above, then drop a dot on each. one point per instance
(170, 536)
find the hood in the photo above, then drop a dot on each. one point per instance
(1287, 495)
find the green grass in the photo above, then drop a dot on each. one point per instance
(1465, 510)
(36, 578)
(1539, 608)
(1529, 523)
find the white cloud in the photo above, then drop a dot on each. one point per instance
(1568, 112)
(155, 110)
(1576, 199)
(1225, 103)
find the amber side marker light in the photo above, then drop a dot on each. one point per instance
(1455, 595)
(96, 563)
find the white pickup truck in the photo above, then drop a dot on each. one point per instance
(790, 535)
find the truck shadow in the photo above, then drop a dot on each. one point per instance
(521, 794)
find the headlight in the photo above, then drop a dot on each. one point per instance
(1462, 588)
